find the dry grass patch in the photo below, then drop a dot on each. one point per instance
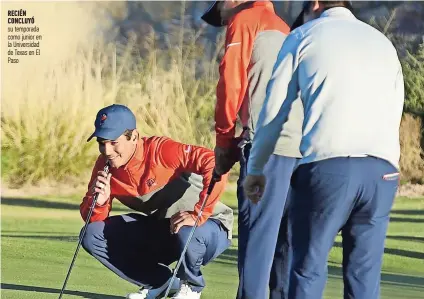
(412, 155)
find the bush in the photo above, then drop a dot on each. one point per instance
(413, 70)
(47, 121)
(412, 155)
(48, 106)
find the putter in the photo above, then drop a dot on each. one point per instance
(105, 169)
(215, 178)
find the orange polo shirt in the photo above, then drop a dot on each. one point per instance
(156, 162)
(241, 35)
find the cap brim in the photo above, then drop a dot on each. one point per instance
(213, 16)
(105, 134)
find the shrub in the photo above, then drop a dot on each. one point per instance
(413, 70)
(49, 105)
(48, 119)
(412, 155)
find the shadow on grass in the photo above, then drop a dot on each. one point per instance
(229, 257)
(49, 238)
(406, 238)
(406, 220)
(408, 212)
(18, 287)
(230, 254)
(386, 278)
(393, 251)
(40, 203)
(36, 232)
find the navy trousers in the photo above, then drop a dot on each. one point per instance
(263, 249)
(139, 249)
(351, 195)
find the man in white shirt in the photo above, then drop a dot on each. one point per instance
(349, 78)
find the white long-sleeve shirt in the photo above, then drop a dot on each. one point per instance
(349, 78)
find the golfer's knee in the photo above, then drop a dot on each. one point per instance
(184, 233)
(92, 235)
(311, 271)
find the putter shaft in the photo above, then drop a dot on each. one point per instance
(90, 212)
(215, 178)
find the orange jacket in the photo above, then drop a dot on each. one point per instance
(157, 161)
(242, 30)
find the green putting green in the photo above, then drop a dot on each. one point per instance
(39, 237)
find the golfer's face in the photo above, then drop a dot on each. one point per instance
(118, 151)
(227, 4)
(225, 7)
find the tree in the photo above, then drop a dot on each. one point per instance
(413, 71)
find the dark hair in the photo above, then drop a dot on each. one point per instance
(128, 134)
(332, 4)
(306, 6)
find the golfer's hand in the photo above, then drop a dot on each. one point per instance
(222, 160)
(102, 186)
(180, 219)
(254, 186)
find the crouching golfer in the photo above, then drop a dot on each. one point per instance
(166, 183)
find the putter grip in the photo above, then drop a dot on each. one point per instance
(215, 178)
(90, 212)
(105, 169)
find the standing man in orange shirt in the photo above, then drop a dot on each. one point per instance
(166, 182)
(254, 38)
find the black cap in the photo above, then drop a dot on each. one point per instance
(212, 16)
(299, 20)
(305, 6)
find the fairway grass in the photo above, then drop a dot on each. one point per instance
(39, 237)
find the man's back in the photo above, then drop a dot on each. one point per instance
(352, 89)
(254, 37)
(253, 40)
(350, 81)
(271, 34)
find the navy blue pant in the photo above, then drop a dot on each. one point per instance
(351, 195)
(139, 249)
(262, 261)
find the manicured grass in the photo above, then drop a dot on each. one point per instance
(39, 236)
